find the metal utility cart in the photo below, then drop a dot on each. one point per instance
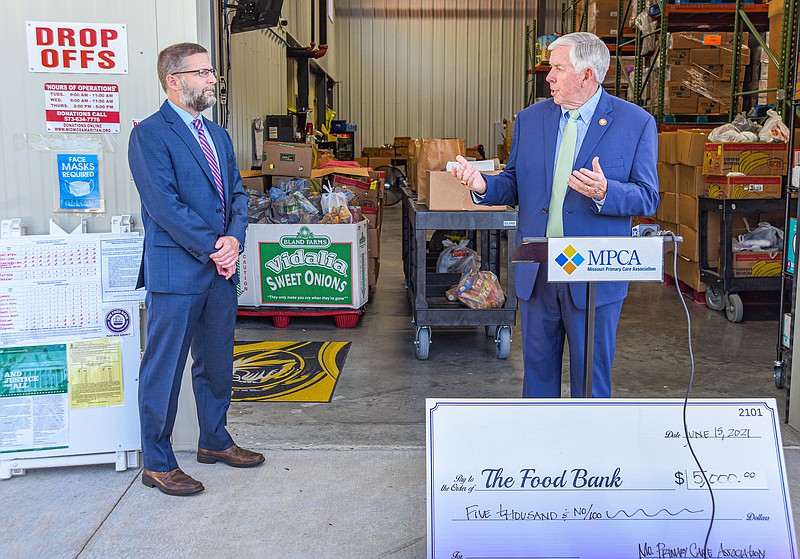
(426, 288)
(721, 286)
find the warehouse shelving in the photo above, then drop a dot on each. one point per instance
(782, 367)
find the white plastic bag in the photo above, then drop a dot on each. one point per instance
(457, 258)
(764, 238)
(773, 130)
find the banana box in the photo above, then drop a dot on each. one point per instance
(752, 159)
(757, 264)
(742, 187)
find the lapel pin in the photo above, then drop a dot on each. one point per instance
(602, 122)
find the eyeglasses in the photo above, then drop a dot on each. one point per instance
(201, 72)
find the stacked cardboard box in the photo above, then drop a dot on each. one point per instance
(775, 14)
(602, 18)
(747, 170)
(401, 144)
(680, 182)
(699, 72)
(367, 185)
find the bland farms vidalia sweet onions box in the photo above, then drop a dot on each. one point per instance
(305, 265)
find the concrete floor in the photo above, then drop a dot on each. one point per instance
(347, 479)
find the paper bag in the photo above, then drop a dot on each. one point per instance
(433, 155)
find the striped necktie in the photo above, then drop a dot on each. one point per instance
(212, 161)
(564, 163)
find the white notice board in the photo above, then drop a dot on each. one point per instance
(69, 350)
(598, 479)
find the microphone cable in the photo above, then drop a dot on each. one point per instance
(689, 388)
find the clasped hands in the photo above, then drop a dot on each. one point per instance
(225, 258)
(592, 184)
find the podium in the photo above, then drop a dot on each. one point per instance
(596, 259)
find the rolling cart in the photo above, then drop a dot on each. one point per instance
(722, 288)
(426, 288)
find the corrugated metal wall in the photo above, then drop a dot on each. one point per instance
(262, 80)
(430, 68)
(257, 86)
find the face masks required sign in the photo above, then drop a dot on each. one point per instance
(605, 259)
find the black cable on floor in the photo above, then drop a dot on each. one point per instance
(691, 382)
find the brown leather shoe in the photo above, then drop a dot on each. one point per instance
(234, 456)
(173, 482)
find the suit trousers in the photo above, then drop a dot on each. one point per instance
(547, 316)
(205, 321)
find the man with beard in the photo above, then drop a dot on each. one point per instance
(194, 211)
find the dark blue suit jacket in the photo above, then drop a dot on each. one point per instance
(181, 209)
(625, 138)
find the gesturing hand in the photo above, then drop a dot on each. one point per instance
(592, 184)
(469, 176)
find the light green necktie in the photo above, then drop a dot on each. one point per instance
(564, 162)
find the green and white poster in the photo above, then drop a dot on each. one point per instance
(33, 398)
(311, 267)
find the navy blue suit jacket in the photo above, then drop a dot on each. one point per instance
(181, 209)
(625, 138)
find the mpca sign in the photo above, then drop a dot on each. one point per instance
(605, 259)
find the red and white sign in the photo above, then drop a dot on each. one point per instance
(77, 48)
(91, 108)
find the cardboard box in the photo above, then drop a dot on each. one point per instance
(680, 106)
(666, 177)
(402, 141)
(373, 162)
(678, 57)
(373, 270)
(446, 193)
(689, 146)
(667, 147)
(733, 187)
(306, 265)
(704, 56)
(668, 208)
(689, 273)
(707, 106)
(690, 247)
(688, 210)
(387, 152)
(756, 159)
(253, 180)
(680, 90)
(287, 160)
(726, 55)
(690, 180)
(703, 39)
(371, 151)
(756, 264)
(374, 242)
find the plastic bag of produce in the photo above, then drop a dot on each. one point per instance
(478, 289)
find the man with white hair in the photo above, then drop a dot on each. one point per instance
(581, 164)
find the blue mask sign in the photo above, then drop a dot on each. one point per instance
(78, 175)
